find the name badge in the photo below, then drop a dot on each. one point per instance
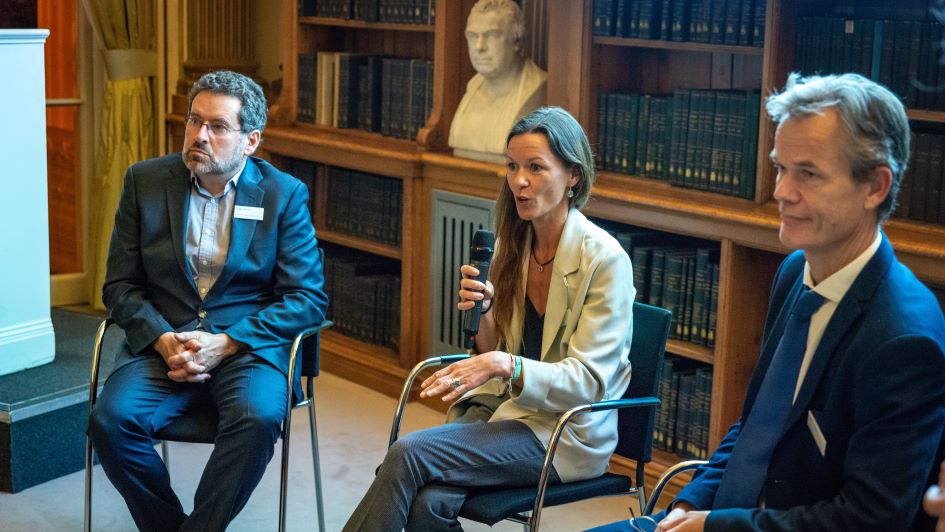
(248, 213)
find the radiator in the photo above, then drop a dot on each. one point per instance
(455, 219)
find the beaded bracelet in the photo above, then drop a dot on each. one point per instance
(518, 369)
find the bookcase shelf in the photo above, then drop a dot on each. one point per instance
(349, 148)
(369, 246)
(681, 46)
(363, 24)
(926, 115)
(691, 351)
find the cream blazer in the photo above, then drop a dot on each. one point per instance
(584, 351)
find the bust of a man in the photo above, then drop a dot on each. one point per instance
(505, 88)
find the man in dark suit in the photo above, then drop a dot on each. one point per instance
(212, 270)
(861, 428)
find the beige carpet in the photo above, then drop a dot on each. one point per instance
(354, 423)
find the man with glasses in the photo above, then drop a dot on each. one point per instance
(212, 270)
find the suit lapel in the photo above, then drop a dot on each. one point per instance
(248, 194)
(847, 313)
(178, 194)
(567, 261)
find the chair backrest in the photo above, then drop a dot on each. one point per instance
(311, 346)
(635, 425)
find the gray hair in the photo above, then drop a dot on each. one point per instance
(253, 102)
(513, 17)
(873, 118)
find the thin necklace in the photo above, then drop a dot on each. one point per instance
(541, 265)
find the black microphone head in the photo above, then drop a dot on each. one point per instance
(483, 243)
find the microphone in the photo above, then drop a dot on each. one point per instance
(480, 256)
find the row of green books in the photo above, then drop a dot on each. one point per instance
(682, 418)
(684, 281)
(675, 272)
(365, 205)
(922, 194)
(731, 22)
(304, 171)
(399, 11)
(900, 54)
(364, 295)
(695, 138)
(386, 95)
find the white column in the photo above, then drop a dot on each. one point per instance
(26, 332)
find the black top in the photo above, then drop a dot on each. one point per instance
(531, 336)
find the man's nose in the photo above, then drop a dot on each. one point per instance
(784, 189)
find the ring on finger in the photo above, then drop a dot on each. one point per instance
(456, 383)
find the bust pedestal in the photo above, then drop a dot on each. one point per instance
(26, 331)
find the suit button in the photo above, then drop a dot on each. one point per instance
(202, 314)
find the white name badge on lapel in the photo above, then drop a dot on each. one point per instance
(248, 213)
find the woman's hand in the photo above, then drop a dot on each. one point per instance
(471, 290)
(934, 502)
(460, 377)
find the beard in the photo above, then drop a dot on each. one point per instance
(205, 162)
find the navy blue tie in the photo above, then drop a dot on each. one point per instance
(747, 468)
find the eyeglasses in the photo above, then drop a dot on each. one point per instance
(217, 129)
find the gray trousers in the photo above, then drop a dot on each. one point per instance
(423, 481)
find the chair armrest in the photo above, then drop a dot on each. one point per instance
(556, 436)
(296, 346)
(97, 360)
(664, 479)
(408, 384)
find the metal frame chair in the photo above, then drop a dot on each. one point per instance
(664, 479)
(650, 331)
(200, 426)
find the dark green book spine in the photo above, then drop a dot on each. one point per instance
(672, 289)
(758, 29)
(689, 283)
(713, 304)
(642, 135)
(920, 175)
(677, 148)
(657, 274)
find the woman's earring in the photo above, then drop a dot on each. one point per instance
(570, 192)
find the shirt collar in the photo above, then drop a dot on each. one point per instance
(226, 189)
(836, 286)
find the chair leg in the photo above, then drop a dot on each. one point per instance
(166, 454)
(641, 499)
(284, 482)
(316, 466)
(87, 527)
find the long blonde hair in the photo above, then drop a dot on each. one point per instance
(569, 144)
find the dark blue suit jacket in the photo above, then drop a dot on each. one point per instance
(876, 390)
(271, 286)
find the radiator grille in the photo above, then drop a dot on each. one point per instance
(455, 219)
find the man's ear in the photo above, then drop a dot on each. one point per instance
(880, 182)
(252, 142)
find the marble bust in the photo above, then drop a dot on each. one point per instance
(505, 88)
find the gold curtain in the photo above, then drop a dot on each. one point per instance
(126, 30)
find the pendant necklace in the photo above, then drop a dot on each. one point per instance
(541, 265)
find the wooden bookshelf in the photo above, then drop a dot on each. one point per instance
(681, 46)
(365, 25)
(580, 67)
